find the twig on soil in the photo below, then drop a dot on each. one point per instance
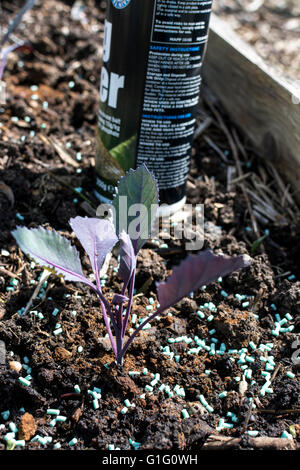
(64, 155)
(257, 302)
(246, 422)
(240, 178)
(203, 126)
(45, 334)
(20, 269)
(275, 372)
(67, 185)
(12, 332)
(231, 170)
(38, 162)
(49, 287)
(264, 207)
(216, 149)
(240, 145)
(284, 189)
(271, 198)
(89, 207)
(10, 273)
(137, 295)
(279, 412)
(43, 278)
(265, 443)
(286, 273)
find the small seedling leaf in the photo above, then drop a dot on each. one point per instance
(51, 250)
(194, 272)
(138, 190)
(97, 236)
(255, 245)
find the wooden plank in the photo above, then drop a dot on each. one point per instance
(265, 105)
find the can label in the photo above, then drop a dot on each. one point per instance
(149, 92)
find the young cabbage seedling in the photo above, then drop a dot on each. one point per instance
(99, 236)
(5, 51)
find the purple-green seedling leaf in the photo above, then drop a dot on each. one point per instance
(51, 250)
(16, 21)
(137, 193)
(127, 258)
(97, 236)
(196, 271)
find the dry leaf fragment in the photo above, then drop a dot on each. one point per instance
(64, 155)
(27, 427)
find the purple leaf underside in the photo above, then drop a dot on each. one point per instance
(196, 271)
(97, 236)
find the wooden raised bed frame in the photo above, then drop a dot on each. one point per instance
(265, 105)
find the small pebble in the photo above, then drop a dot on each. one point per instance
(15, 365)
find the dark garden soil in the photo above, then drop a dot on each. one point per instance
(50, 116)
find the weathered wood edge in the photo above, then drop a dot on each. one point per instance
(265, 105)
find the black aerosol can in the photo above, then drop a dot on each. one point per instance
(150, 82)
